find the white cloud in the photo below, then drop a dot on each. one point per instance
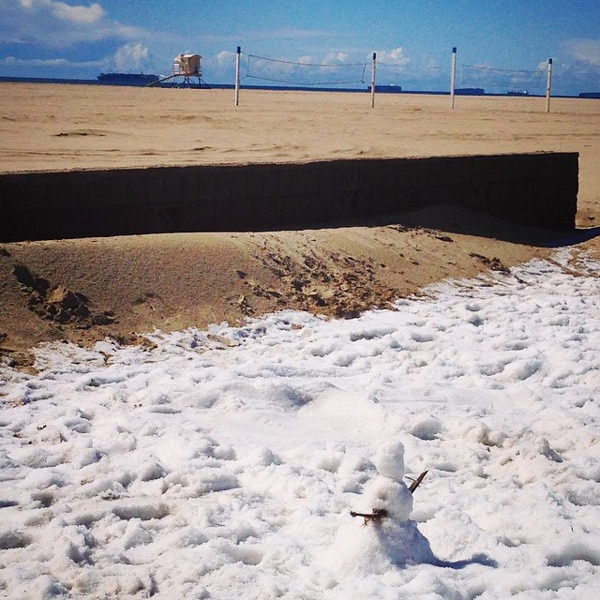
(578, 68)
(63, 11)
(394, 57)
(12, 61)
(56, 24)
(306, 60)
(225, 58)
(585, 51)
(78, 14)
(339, 57)
(131, 57)
(431, 65)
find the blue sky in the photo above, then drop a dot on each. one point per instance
(413, 40)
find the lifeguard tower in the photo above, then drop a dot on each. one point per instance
(186, 66)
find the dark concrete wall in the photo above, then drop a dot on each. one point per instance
(532, 189)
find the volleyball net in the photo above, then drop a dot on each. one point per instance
(304, 72)
(502, 81)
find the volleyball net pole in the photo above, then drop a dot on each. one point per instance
(549, 85)
(453, 78)
(373, 74)
(238, 60)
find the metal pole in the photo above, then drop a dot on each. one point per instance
(453, 78)
(373, 73)
(237, 75)
(549, 85)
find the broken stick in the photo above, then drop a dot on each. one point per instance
(417, 482)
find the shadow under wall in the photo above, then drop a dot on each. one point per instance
(460, 220)
(529, 190)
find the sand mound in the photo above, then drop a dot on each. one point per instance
(85, 290)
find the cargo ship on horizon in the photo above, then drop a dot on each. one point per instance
(127, 78)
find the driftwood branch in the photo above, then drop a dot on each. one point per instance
(417, 482)
(377, 515)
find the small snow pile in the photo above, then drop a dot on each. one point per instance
(387, 537)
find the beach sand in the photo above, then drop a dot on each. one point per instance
(84, 290)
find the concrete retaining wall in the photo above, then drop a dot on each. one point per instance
(532, 189)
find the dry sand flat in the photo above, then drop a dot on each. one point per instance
(63, 127)
(134, 284)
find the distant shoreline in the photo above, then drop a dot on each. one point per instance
(283, 88)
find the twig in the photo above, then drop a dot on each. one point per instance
(377, 515)
(417, 482)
